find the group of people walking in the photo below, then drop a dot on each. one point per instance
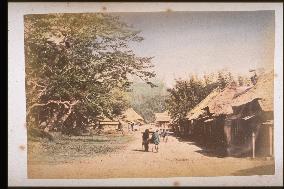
(134, 126)
(155, 139)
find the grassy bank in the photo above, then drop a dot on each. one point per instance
(68, 149)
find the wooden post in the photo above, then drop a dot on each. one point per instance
(253, 145)
(270, 141)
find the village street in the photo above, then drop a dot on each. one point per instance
(174, 159)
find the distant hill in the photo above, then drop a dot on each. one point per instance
(146, 100)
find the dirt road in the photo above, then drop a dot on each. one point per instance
(174, 159)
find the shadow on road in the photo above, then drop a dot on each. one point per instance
(211, 153)
(260, 170)
(204, 150)
(136, 150)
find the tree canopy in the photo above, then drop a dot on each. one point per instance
(77, 67)
(187, 93)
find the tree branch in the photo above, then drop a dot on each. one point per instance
(67, 104)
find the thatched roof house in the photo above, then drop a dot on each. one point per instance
(249, 116)
(131, 116)
(263, 90)
(253, 113)
(107, 124)
(117, 123)
(162, 117)
(107, 121)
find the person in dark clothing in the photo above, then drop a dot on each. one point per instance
(145, 138)
(164, 134)
(119, 125)
(156, 140)
(132, 126)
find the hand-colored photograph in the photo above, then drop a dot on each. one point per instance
(149, 94)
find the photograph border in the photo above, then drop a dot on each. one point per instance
(17, 135)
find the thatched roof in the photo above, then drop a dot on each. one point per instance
(162, 117)
(107, 121)
(104, 118)
(197, 110)
(131, 116)
(263, 89)
(222, 103)
(218, 102)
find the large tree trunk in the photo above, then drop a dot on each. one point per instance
(71, 107)
(54, 119)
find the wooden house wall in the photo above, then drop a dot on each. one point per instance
(210, 134)
(235, 135)
(264, 141)
(241, 137)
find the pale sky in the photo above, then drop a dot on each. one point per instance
(201, 42)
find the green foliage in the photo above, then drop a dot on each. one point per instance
(183, 97)
(77, 67)
(224, 78)
(240, 81)
(64, 148)
(243, 81)
(186, 94)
